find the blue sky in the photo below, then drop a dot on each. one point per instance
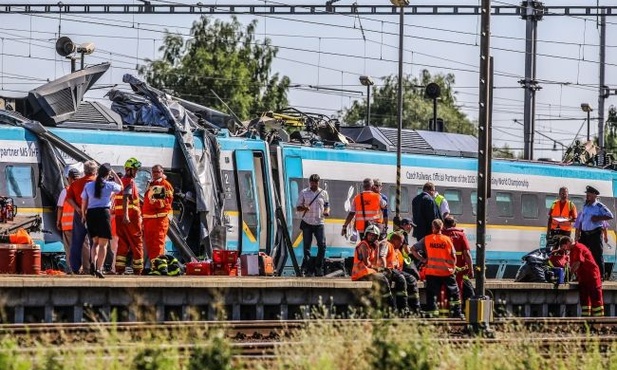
(333, 51)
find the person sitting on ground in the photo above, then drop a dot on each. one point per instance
(407, 295)
(366, 264)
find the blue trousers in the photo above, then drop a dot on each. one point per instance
(307, 234)
(80, 233)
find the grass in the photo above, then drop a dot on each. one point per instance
(322, 344)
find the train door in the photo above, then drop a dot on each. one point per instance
(253, 200)
(293, 184)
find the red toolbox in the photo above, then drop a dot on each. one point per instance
(224, 256)
(222, 268)
(199, 268)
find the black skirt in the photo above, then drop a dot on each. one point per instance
(98, 222)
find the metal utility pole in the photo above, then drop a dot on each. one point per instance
(602, 89)
(533, 12)
(481, 307)
(401, 4)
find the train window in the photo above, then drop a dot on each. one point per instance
(294, 191)
(405, 202)
(20, 181)
(504, 204)
(175, 179)
(579, 202)
(529, 206)
(548, 202)
(141, 180)
(474, 202)
(454, 201)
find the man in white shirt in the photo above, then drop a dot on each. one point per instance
(314, 205)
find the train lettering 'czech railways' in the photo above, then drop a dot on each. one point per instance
(245, 176)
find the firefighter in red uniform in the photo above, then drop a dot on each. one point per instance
(464, 264)
(584, 266)
(156, 211)
(128, 220)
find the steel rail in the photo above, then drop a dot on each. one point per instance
(273, 328)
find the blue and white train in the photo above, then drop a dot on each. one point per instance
(251, 178)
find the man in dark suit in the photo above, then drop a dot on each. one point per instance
(424, 211)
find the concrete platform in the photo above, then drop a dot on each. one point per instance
(135, 298)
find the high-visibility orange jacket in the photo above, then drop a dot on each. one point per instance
(156, 208)
(370, 211)
(67, 215)
(21, 236)
(567, 210)
(391, 259)
(400, 258)
(133, 204)
(441, 258)
(364, 253)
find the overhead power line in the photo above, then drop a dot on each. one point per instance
(278, 9)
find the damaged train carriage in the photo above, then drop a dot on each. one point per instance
(223, 198)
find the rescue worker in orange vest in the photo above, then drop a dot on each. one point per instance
(367, 207)
(583, 264)
(464, 264)
(561, 216)
(80, 241)
(405, 285)
(378, 188)
(128, 220)
(64, 223)
(440, 267)
(365, 263)
(156, 211)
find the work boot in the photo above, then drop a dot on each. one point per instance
(401, 304)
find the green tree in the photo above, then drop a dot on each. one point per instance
(223, 57)
(610, 131)
(503, 152)
(417, 109)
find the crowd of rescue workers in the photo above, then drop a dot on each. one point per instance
(98, 207)
(440, 254)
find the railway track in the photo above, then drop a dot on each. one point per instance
(255, 343)
(242, 331)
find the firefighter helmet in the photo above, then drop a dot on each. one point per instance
(132, 163)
